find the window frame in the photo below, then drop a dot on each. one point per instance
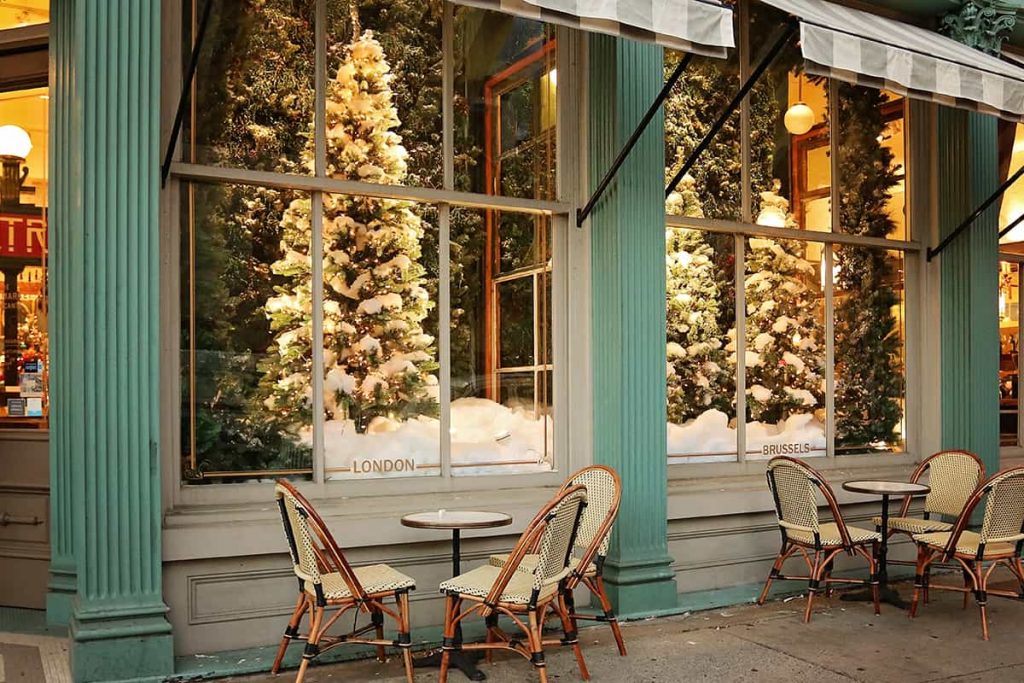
(916, 123)
(1016, 449)
(572, 412)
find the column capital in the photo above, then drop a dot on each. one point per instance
(981, 24)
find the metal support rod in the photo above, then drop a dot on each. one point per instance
(787, 32)
(1013, 224)
(186, 88)
(581, 214)
(931, 253)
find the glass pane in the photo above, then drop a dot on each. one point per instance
(20, 13)
(384, 78)
(380, 340)
(1009, 353)
(253, 90)
(785, 349)
(701, 317)
(23, 245)
(501, 348)
(246, 333)
(870, 337)
(1011, 157)
(505, 105)
(695, 103)
(872, 173)
(790, 165)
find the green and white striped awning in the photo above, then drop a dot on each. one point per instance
(688, 25)
(863, 48)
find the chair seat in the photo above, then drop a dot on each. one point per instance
(829, 535)
(913, 525)
(374, 578)
(966, 545)
(529, 563)
(478, 582)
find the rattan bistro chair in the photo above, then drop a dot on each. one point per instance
(793, 484)
(327, 581)
(604, 493)
(953, 476)
(517, 594)
(999, 542)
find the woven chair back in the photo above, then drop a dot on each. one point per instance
(310, 543)
(793, 486)
(558, 537)
(1004, 508)
(953, 476)
(604, 492)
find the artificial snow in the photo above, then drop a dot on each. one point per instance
(710, 438)
(486, 438)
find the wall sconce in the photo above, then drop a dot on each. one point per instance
(15, 145)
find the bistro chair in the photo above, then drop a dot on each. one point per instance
(953, 476)
(604, 493)
(328, 582)
(794, 485)
(523, 596)
(998, 543)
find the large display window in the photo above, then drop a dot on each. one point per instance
(381, 301)
(786, 255)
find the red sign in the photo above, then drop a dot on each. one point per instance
(22, 236)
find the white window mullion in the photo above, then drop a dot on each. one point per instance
(316, 247)
(448, 95)
(830, 354)
(739, 248)
(444, 337)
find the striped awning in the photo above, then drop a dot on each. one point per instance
(688, 25)
(859, 47)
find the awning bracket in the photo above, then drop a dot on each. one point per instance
(186, 89)
(967, 222)
(581, 214)
(784, 34)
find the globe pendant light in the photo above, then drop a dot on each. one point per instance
(799, 118)
(15, 143)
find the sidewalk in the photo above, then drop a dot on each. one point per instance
(843, 642)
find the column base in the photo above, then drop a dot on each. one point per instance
(641, 588)
(121, 644)
(60, 595)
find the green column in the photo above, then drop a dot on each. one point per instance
(628, 318)
(967, 174)
(105, 285)
(63, 164)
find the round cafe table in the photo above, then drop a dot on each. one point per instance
(456, 521)
(885, 489)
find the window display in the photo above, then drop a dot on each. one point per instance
(23, 257)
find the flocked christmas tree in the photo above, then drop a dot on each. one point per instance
(785, 353)
(379, 362)
(869, 381)
(694, 343)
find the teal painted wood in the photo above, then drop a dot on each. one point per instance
(628, 319)
(105, 288)
(967, 174)
(63, 162)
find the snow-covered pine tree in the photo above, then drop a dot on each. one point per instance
(869, 378)
(378, 360)
(785, 353)
(694, 343)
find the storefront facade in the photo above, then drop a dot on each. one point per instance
(359, 268)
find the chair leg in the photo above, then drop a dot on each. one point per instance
(404, 633)
(1018, 569)
(968, 580)
(597, 586)
(290, 632)
(981, 596)
(571, 635)
(450, 612)
(812, 586)
(873, 572)
(312, 648)
(377, 619)
(921, 568)
(535, 627)
(491, 623)
(776, 568)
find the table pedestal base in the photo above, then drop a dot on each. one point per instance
(463, 660)
(885, 594)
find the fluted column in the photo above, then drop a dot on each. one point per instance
(628, 284)
(968, 172)
(105, 286)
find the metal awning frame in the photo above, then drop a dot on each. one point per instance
(969, 221)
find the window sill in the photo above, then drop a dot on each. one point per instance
(239, 530)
